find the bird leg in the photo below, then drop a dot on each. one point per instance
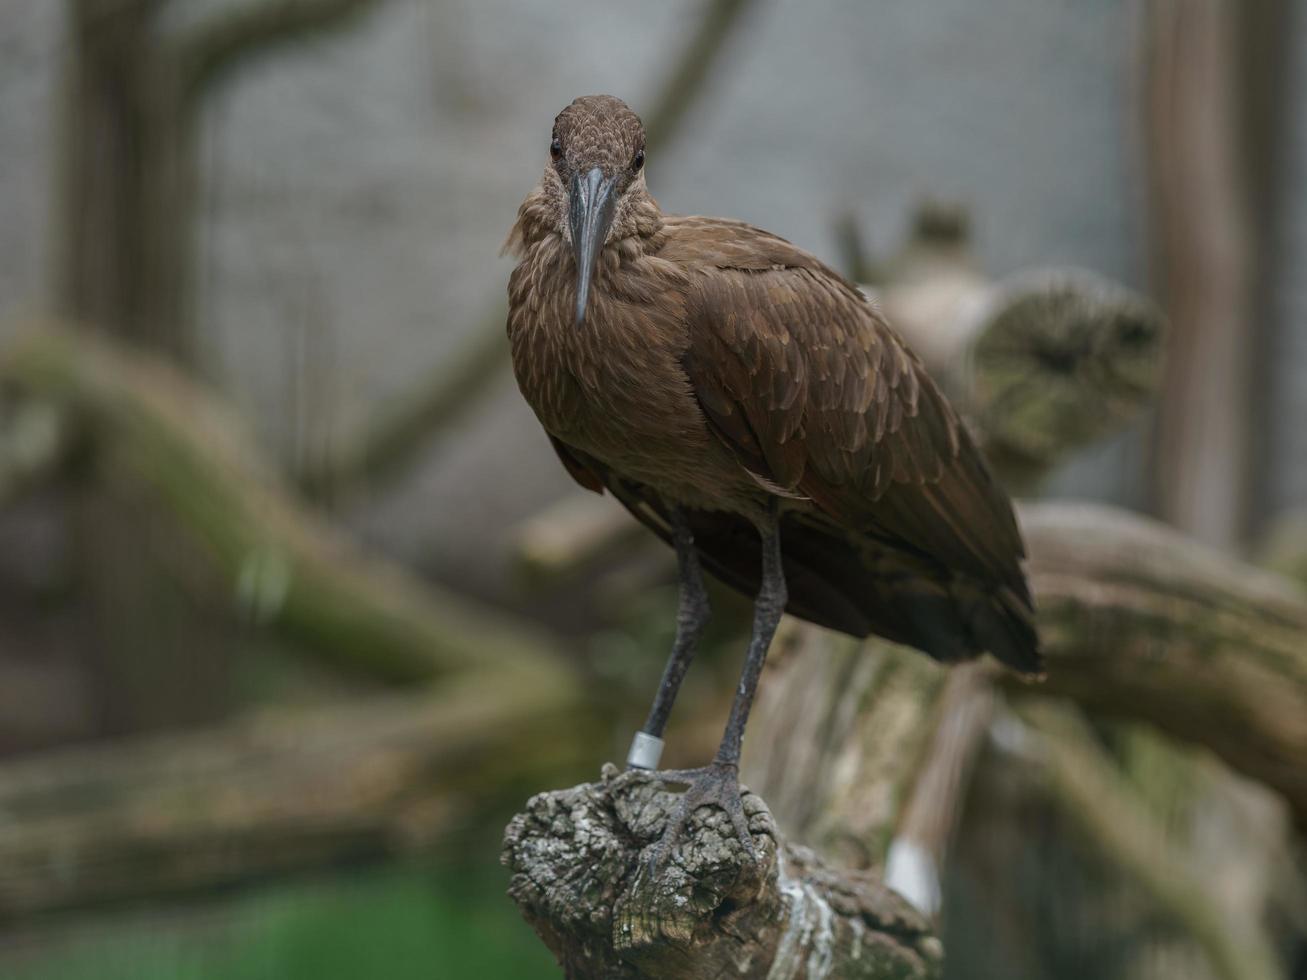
(692, 614)
(718, 783)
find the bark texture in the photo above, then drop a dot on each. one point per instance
(578, 859)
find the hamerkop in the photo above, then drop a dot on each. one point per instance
(754, 409)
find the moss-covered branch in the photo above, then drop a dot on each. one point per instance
(1044, 364)
(1140, 622)
(144, 424)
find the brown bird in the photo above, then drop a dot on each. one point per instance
(753, 408)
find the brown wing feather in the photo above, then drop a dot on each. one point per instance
(800, 376)
(586, 474)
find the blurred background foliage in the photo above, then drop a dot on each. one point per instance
(275, 528)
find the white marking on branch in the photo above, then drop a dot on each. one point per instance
(807, 910)
(910, 870)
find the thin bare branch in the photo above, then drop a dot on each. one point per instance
(213, 48)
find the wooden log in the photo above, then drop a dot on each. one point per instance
(279, 791)
(836, 737)
(933, 810)
(1140, 622)
(1043, 364)
(576, 532)
(864, 753)
(1137, 622)
(581, 878)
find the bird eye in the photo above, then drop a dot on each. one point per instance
(556, 148)
(638, 162)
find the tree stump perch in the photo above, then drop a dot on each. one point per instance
(579, 859)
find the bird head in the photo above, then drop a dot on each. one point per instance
(595, 179)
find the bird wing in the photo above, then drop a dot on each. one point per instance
(799, 375)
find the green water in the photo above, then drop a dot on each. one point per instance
(390, 924)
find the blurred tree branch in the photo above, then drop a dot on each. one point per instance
(1098, 798)
(1140, 622)
(212, 49)
(146, 425)
(34, 442)
(683, 85)
(279, 791)
(1137, 622)
(1285, 548)
(127, 192)
(1043, 363)
(454, 387)
(124, 219)
(282, 790)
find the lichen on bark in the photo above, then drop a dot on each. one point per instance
(581, 876)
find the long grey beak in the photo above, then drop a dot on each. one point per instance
(590, 214)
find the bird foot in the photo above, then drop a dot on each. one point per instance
(717, 784)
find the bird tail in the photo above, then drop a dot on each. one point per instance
(860, 586)
(1002, 622)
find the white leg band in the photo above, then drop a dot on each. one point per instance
(645, 752)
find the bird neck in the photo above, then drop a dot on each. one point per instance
(537, 218)
(637, 226)
(639, 220)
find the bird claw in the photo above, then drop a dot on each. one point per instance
(717, 785)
